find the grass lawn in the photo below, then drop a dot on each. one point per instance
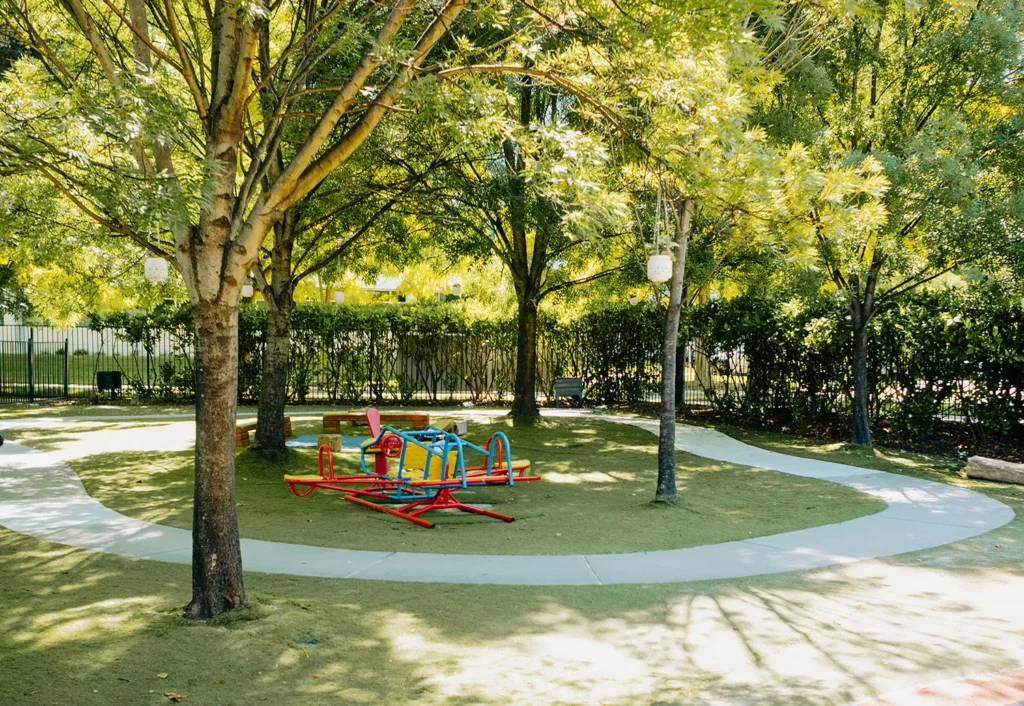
(78, 627)
(598, 481)
(79, 410)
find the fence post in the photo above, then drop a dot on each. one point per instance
(67, 365)
(31, 366)
(373, 351)
(680, 376)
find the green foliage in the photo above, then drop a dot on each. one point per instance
(925, 95)
(617, 352)
(955, 353)
(951, 353)
(161, 360)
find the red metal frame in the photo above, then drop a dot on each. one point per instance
(390, 511)
(443, 499)
(378, 485)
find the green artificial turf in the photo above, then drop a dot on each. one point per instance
(80, 627)
(595, 497)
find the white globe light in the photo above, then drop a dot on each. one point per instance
(339, 297)
(454, 281)
(247, 290)
(156, 270)
(634, 300)
(659, 268)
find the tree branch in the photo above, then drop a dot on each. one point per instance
(583, 280)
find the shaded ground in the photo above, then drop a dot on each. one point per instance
(86, 628)
(594, 498)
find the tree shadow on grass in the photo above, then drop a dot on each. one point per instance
(110, 625)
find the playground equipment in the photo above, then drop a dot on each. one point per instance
(376, 483)
(429, 468)
(433, 462)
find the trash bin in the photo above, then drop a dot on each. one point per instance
(109, 381)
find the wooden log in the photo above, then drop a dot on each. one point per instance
(994, 469)
(331, 440)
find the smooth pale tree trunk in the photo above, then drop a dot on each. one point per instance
(666, 490)
(213, 269)
(274, 386)
(525, 402)
(861, 433)
(216, 553)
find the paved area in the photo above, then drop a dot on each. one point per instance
(42, 497)
(1006, 689)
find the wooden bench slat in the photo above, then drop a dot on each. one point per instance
(332, 420)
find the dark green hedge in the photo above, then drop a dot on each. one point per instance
(955, 355)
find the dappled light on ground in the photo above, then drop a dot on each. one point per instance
(110, 626)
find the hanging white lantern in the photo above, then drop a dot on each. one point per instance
(248, 290)
(339, 297)
(659, 268)
(156, 270)
(455, 281)
(634, 300)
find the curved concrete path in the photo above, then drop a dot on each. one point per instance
(42, 497)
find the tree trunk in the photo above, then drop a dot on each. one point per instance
(666, 491)
(274, 386)
(279, 295)
(525, 402)
(216, 553)
(994, 469)
(861, 419)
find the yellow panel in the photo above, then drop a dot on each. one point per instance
(416, 459)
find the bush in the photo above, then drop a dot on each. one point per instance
(955, 354)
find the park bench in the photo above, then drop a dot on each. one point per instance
(333, 420)
(242, 431)
(569, 387)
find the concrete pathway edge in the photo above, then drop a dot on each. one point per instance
(42, 497)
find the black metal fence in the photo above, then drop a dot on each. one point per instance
(619, 364)
(951, 357)
(42, 363)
